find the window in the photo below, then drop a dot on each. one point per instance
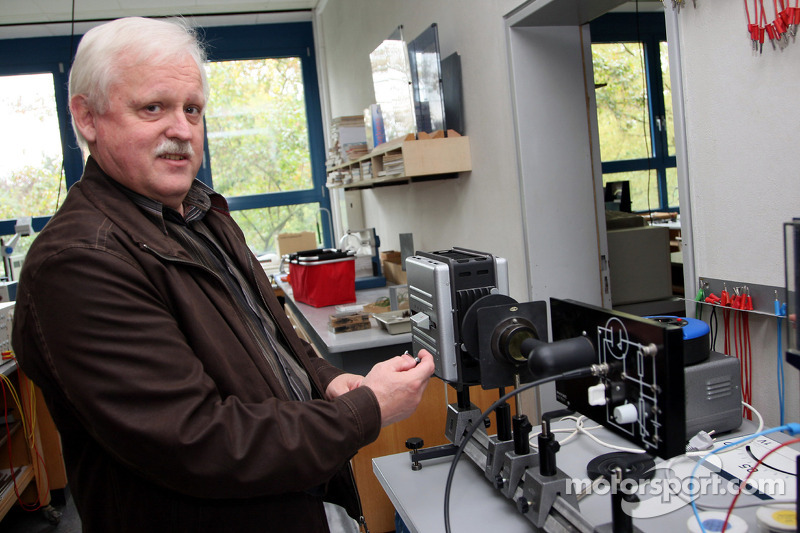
(634, 107)
(31, 160)
(264, 128)
(31, 179)
(265, 144)
(258, 142)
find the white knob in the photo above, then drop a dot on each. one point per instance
(597, 394)
(421, 320)
(625, 413)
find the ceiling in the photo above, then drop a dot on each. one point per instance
(49, 11)
(33, 16)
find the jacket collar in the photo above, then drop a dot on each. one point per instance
(140, 219)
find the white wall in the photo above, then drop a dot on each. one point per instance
(480, 209)
(741, 133)
(741, 119)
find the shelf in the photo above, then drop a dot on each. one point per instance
(8, 493)
(404, 160)
(12, 428)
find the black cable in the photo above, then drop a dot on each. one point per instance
(714, 326)
(71, 35)
(461, 447)
(645, 111)
(751, 454)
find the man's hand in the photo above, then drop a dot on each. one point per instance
(398, 384)
(342, 384)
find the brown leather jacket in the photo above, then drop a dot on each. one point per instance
(170, 418)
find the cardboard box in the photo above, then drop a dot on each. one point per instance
(391, 256)
(394, 273)
(289, 243)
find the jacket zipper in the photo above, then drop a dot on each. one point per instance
(362, 521)
(175, 260)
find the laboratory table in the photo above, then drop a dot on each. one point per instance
(354, 351)
(475, 506)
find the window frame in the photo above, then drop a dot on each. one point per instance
(224, 43)
(46, 55)
(650, 30)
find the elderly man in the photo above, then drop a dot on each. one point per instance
(184, 400)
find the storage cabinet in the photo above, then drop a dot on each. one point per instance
(404, 160)
(429, 423)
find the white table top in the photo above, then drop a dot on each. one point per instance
(317, 318)
(475, 506)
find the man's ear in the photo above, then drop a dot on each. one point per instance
(84, 116)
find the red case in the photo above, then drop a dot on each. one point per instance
(320, 282)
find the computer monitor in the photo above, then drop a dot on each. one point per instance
(618, 196)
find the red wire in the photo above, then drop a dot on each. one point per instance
(750, 473)
(746, 355)
(8, 439)
(749, 364)
(742, 356)
(742, 362)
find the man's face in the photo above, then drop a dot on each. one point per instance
(151, 137)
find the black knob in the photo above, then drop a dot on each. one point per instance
(523, 505)
(499, 482)
(414, 443)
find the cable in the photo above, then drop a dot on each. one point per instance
(479, 422)
(580, 429)
(743, 440)
(714, 327)
(606, 444)
(6, 385)
(780, 312)
(749, 355)
(750, 473)
(793, 429)
(743, 505)
(28, 391)
(648, 138)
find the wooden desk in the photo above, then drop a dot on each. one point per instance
(357, 352)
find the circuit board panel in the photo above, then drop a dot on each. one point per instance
(642, 397)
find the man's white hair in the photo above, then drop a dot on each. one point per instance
(143, 40)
